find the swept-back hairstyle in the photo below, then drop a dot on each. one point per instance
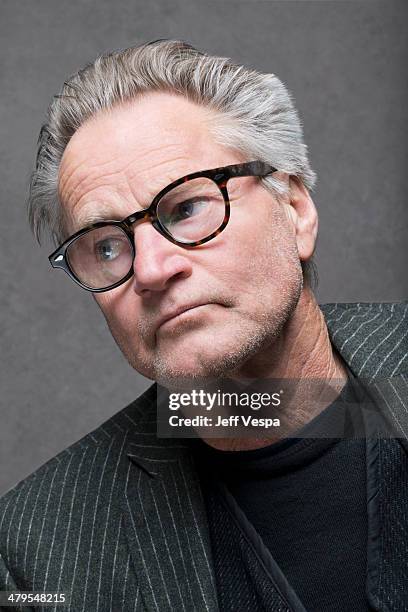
(255, 112)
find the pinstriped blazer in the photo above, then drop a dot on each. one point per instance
(117, 520)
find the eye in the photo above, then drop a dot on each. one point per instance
(109, 249)
(187, 209)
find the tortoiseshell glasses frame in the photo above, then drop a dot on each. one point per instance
(220, 176)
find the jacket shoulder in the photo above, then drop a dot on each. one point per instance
(371, 337)
(333, 309)
(51, 521)
(66, 474)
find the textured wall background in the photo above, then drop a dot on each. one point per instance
(61, 373)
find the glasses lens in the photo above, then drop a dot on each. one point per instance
(101, 257)
(193, 210)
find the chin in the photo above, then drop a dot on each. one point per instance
(203, 362)
(189, 369)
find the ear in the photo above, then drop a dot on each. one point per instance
(302, 214)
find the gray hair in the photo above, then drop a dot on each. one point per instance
(256, 114)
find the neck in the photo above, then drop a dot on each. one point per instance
(302, 351)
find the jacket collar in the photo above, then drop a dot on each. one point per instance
(372, 340)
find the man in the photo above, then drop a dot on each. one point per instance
(210, 280)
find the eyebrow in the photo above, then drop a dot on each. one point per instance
(95, 212)
(96, 217)
(101, 212)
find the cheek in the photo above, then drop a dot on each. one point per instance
(257, 252)
(115, 307)
(122, 319)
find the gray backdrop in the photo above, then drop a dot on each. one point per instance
(62, 374)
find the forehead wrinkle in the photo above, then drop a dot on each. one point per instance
(164, 173)
(99, 205)
(125, 185)
(84, 175)
(99, 208)
(66, 193)
(80, 161)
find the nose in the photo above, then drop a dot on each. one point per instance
(158, 262)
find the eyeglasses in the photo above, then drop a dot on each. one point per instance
(188, 212)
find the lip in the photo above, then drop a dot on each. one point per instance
(178, 311)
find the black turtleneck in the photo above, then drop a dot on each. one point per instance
(306, 498)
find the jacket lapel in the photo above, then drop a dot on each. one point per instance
(166, 526)
(372, 340)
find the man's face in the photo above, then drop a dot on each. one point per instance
(236, 291)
